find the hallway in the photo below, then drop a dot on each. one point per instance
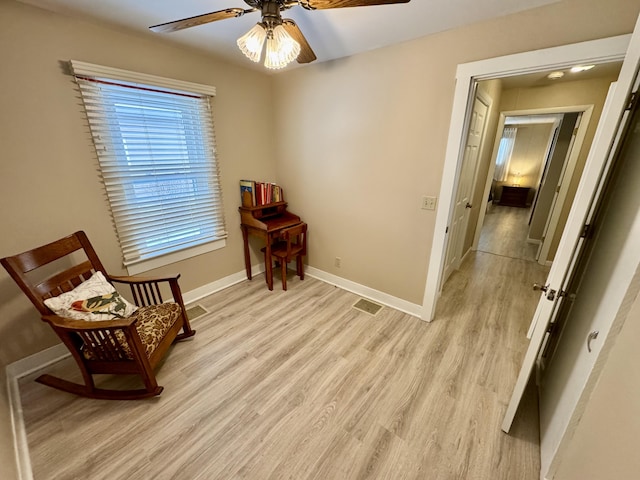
(492, 291)
(504, 233)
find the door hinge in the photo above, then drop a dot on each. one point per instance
(633, 98)
(586, 231)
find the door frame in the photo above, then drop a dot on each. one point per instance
(561, 195)
(595, 51)
(570, 163)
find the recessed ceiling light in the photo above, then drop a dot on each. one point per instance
(581, 68)
(555, 75)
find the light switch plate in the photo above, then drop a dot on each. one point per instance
(429, 203)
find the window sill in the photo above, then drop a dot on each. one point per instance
(168, 259)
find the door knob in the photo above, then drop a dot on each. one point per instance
(551, 294)
(542, 288)
(592, 336)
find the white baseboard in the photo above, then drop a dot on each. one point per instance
(15, 371)
(464, 257)
(375, 295)
(41, 360)
(226, 282)
(362, 290)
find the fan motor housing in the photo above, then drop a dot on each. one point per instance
(271, 13)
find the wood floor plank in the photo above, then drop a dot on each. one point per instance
(502, 233)
(299, 385)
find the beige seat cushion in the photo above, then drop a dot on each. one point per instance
(153, 323)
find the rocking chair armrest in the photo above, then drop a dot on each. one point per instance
(147, 290)
(72, 324)
(141, 280)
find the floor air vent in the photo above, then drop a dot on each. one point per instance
(367, 306)
(196, 311)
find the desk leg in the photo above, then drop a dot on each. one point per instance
(247, 256)
(268, 263)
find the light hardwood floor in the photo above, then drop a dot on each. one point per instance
(299, 385)
(504, 232)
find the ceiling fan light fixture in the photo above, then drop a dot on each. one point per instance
(282, 49)
(581, 68)
(555, 75)
(251, 43)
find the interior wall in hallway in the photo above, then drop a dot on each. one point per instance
(527, 159)
(554, 171)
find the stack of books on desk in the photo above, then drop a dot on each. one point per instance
(255, 194)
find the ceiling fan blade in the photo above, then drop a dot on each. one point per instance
(324, 4)
(306, 55)
(199, 20)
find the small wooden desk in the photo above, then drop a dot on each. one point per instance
(266, 222)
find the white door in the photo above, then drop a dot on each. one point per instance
(460, 220)
(602, 284)
(608, 134)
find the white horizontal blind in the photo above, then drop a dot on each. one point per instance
(156, 149)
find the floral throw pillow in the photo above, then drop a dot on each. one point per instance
(94, 299)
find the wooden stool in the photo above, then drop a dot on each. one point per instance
(293, 244)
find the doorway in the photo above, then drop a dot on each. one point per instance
(536, 173)
(473, 150)
(579, 219)
(518, 167)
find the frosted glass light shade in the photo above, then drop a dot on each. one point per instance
(282, 49)
(251, 43)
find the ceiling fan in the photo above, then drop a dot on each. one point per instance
(285, 42)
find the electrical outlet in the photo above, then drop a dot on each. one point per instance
(337, 262)
(429, 203)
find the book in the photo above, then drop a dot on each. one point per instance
(277, 193)
(257, 194)
(248, 193)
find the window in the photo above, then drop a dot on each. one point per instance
(505, 149)
(156, 148)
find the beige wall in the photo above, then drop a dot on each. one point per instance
(528, 155)
(555, 168)
(528, 152)
(605, 444)
(361, 139)
(50, 183)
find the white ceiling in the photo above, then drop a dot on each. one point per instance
(540, 79)
(331, 33)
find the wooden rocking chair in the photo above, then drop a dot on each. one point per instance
(130, 345)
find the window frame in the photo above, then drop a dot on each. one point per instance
(82, 72)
